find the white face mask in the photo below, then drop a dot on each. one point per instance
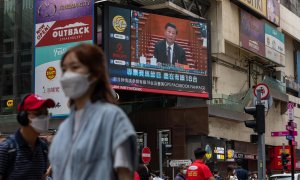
(184, 171)
(74, 84)
(40, 123)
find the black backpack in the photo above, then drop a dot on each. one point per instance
(13, 146)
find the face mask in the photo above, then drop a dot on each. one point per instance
(184, 171)
(74, 84)
(40, 123)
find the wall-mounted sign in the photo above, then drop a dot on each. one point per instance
(53, 10)
(59, 25)
(208, 150)
(252, 36)
(220, 153)
(273, 11)
(274, 41)
(259, 6)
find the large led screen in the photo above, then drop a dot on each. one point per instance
(153, 53)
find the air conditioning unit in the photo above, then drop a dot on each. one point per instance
(280, 76)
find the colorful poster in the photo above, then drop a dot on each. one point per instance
(55, 10)
(252, 36)
(65, 31)
(273, 11)
(258, 6)
(48, 73)
(59, 25)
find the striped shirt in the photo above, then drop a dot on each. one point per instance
(28, 163)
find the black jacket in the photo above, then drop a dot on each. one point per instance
(160, 53)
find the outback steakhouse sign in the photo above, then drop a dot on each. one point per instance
(60, 32)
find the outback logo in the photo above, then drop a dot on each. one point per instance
(75, 29)
(47, 9)
(59, 51)
(50, 73)
(119, 23)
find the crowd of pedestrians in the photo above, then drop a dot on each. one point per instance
(96, 141)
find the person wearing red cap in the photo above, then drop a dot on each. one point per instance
(24, 155)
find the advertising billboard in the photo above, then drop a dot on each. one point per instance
(275, 48)
(59, 26)
(273, 11)
(252, 36)
(148, 52)
(259, 6)
(56, 10)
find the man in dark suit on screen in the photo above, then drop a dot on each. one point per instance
(167, 51)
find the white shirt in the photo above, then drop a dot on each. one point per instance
(171, 51)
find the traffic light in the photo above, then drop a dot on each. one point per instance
(284, 159)
(258, 124)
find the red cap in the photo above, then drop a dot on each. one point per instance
(33, 102)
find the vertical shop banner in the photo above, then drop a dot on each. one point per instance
(274, 41)
(59, 26)
(273, 11)
(55, 10)
(119, 35)
(252, 36)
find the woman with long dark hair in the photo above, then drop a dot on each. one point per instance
(97, 141)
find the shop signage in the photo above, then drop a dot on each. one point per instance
(252, 35)
(250, 156)
(59, 26)
(208, 150)
(273, 11)
(238, 156)
(53, 10)
(274, 41)
(65, 31)
(259, 6)
(275, 157)
(230, 154)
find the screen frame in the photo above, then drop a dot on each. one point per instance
(104, 6)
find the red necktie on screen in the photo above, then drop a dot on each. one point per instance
(169, 55)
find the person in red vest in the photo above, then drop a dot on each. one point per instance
(198, 170)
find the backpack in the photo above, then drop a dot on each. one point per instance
(13, 146)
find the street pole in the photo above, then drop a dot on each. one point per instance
(283, 151)
(261, 161)
(145, 139)
(292, 159)
(160, 153)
